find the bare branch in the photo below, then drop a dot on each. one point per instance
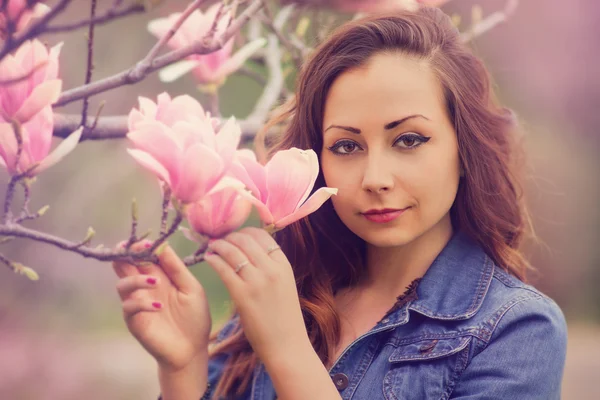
(140, 71)
(115, 127)
(90, 60)
(34, 29)
(490, 21)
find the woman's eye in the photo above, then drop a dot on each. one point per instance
(344, 147)
(411, 140)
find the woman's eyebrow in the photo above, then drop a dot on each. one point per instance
(388, 126)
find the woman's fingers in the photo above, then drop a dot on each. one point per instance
(177, 272)
(129, 284)
(133, 306)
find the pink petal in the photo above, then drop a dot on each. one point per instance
(39, 129)
(263, 211)
(312, 204)
(8, 147)
(43, 95)
(202, 168)
(156, 139)
(228, 139)
(12, 96)
(290, 174)
(64, 148)
(150, 163)
(250, 172)
(134, 118)
(148, 107)
(234, 62)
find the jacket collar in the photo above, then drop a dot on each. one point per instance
(454, 286)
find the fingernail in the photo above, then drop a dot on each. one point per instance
(156, 305)
(151, 281)
(147, 244)
(209, 253)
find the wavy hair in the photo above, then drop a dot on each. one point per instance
(489, 206)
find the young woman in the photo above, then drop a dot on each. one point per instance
(409, 283)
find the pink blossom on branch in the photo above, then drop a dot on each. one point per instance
(28, 81)
(36, 135)
(280, 190)
(217, 214)
(187, 154)
(19, 15)
(210, 68)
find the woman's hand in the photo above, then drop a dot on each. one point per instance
(175, 330)
(264, 291)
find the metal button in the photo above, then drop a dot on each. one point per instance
(426, 348)
(340, 380)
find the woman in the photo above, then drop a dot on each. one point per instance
(402, 117)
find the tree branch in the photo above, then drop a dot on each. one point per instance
(110, 15)
(141, 70)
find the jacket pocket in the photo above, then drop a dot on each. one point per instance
(426, 368)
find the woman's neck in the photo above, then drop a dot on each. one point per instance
(391, 269)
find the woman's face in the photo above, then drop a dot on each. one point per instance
(389, 144)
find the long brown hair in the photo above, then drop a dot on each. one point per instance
(489, 205)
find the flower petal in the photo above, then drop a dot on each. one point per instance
(228, 139)
(176, 70)
(290, 174)
(312, 204)
(42, 95)
(239, 58)
(201, 170)
(64, 148)
(156, 139)
(150, 163)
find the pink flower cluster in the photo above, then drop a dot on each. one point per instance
(29, 85)
(216, 184)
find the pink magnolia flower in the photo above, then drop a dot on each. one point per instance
(28, 81)
(168, 111)
(217, 214)
(36, 134)
(210, 68)
(19, 15)
(280, 189)
(188, 155)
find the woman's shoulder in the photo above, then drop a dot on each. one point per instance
(511, 304)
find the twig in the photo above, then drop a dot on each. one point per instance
(165, 209)
(34, 29)
(115, 127)
(146, 62)
(490, 21)
(90, 60)
(137, 73)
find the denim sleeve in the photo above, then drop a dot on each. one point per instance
(524, 358)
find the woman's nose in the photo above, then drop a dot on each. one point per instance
(378, 176)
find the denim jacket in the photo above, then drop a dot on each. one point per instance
(470, 330)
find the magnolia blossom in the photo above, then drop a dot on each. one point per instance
(169, 111)
(280, 190)
(217, 214)
(187, 154)
(19, 15)
(210, 68)
(36, 135)
(29, 81)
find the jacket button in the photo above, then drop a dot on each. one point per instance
(341, 381)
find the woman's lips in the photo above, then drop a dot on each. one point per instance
(383, 217)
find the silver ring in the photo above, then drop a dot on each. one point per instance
(272, 249)
(241, 265)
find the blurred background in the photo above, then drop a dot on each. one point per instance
(63, 336)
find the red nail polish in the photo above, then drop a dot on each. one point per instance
(148, 245)
(151, 281)
(156, 305)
